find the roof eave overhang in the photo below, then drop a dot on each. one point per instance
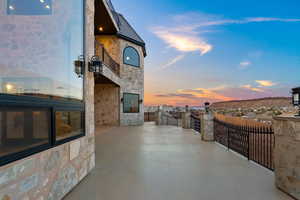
(142, 44)
(111, 16)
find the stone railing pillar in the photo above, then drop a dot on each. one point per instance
(207, 126)
(287, 155)
(158, 121)
(186, 118)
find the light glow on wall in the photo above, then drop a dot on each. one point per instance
(9, 87)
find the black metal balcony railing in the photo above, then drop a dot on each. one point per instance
(106, 58)
(196, 123)
(254, 141)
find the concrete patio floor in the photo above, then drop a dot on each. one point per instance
(169, 163)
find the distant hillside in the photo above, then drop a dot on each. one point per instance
(254, 103)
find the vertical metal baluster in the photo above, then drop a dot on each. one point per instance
(248, 138)
(255, 144)
(259, 145)
(264, 146)
(273, 146)
(228, 137)
(267, 152)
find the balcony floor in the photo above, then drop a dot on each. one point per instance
(169, 163)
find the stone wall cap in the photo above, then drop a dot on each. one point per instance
(287, 118)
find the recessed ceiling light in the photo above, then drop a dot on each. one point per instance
(101, 28)
(127, 58)
(11, 7)
(47, 6)
(42, 1)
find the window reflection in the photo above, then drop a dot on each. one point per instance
(22, 129)
(131, 57)
(39, 41)
(29, 7)
(131, 103)
(68, 124)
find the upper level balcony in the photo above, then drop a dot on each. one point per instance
(107, 60)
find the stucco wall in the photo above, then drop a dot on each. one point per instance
(107, 102)
(53, 173)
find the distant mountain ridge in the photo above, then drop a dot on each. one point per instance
(254, 103)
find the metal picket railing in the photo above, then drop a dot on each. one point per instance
(255, 142)
(106, 58)
(196, 123)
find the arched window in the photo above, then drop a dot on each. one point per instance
(131, 57)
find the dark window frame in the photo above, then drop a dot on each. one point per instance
(11, 157)
(52, 105)
(139, 57)
(138, 103)
(65, 140)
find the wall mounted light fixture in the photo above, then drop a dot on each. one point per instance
(206, 106)
(296, 98)
(79, 66)
(95, 65)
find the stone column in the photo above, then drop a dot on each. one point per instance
(186, 118)
(287, 154)
(207, 126)
(158, 121)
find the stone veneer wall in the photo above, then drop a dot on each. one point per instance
(111, 44)
(107, 103)
(131, 78)
(207, 126)
(132, 81)
(53, 173)
(287, 155)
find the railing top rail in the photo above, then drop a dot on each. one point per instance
(238, 121)
(106, 57)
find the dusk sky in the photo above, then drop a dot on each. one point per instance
(216, 50)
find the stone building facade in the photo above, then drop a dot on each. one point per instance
(128, 80)
(132, 81)
(53, 170)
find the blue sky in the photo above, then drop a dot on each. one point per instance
(217, 50)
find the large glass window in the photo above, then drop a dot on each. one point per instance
(68, 124)
(131, 103)
(39, 42)
(23, 128)
(131, 57)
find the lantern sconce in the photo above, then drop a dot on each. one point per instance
(141, 101)
(296, 99)
(79, 66)
(122, 100)
(95, 65)
(206, 106)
